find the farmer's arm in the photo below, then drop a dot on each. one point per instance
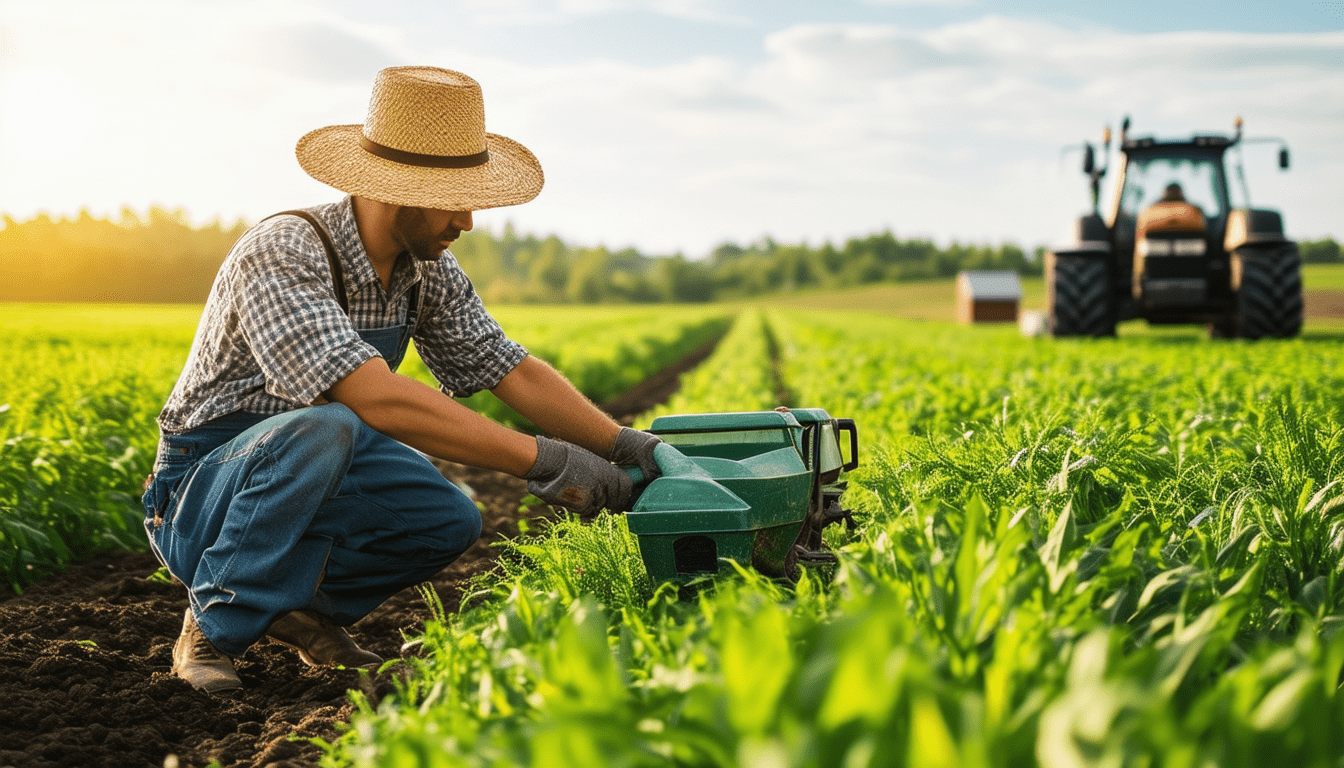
(549, 400)
(430, 421)
(467, 351)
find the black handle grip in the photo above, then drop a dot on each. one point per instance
(848, 425)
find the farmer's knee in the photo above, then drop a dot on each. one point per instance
(333, 424)
(457, 525)
(321, 434)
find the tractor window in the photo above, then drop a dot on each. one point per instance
(1147, 178)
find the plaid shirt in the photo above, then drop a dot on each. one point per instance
(273, 337)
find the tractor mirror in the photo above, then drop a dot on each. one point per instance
(1283, 158)
(1089, 158)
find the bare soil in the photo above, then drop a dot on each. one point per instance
(85, 657)
(1323, 302)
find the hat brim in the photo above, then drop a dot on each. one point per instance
(333, 156)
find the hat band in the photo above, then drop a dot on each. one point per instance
(424, 161)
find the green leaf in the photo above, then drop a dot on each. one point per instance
(1164, 581)
(1062, 536)
(757, 665)
(1280, 707)
(934, 745)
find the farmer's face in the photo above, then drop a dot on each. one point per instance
(426, 232)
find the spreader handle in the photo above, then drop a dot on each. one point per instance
(671, 462)
(848, 425)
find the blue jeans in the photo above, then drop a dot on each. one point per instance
(308, 509)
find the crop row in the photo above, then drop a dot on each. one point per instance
(739, 375)
(1071, 553)
(1163, 510)
(78, 428)
(603, 352)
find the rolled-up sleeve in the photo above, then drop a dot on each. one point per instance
(461, 344)
(300, 338)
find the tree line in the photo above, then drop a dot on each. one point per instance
(1325, 251)
(157, 257)
(161, 257)
(511, 268)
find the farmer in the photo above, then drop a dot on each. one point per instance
(291, 493)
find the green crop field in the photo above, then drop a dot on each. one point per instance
(1075, 553)
(77, 412)
(1319, 277)
(604, 352)
(1123, 551)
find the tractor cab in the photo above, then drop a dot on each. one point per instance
(1167, 228)
(1169, 181)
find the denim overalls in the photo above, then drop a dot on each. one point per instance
(310, 508)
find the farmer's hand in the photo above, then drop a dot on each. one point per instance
(633, 447)
(577, 479)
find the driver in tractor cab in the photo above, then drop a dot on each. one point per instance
(1173, 194)
(1171, 213)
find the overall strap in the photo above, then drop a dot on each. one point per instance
(413, 306)
(337, 274)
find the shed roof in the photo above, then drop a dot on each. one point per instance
(990, 284)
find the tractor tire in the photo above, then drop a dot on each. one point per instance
(1269, 292)
(1079, 289)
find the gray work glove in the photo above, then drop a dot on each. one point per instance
(635, 448)
(577, 479)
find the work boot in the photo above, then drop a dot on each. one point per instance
(199, 662)
(320, 641)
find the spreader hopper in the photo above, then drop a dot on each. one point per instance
(754, 487)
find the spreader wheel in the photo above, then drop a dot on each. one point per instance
(1080, 297)
(1269, 292)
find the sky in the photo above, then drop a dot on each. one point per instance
(678, 125)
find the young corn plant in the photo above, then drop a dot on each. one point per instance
(572, 558)
(1071, 554)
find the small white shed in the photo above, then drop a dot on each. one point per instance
(988, 296)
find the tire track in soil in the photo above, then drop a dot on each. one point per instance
(86, 656)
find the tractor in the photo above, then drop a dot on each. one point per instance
(1176, 247)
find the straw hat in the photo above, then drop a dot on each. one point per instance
(424, 144)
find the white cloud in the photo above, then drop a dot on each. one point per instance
(316, 51)
(912, 3)
(836, 130)
(521, 12)
(174, 103)
(954, 133)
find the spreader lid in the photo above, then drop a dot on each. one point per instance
(724, 422)
(810, 415)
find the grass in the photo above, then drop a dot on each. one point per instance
(935, 299)
(923, 300)
(1321, 277)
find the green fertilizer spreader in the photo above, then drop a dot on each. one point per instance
(755, 487)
